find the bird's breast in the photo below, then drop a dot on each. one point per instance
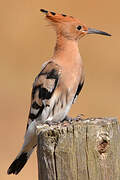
(72, 74)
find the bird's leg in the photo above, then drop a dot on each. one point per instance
(70, 119)
(50, 123)
(67, 118)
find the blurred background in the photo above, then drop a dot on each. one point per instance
(26, 42)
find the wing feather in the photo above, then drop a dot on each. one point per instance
(78, 90)
(43, 88)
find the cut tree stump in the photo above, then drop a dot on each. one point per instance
(87, 149)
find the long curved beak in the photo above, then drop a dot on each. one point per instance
(94, 31)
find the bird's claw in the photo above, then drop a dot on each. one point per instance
(50, 123)
(68, 119)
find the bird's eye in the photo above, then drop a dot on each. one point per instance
(79, 27)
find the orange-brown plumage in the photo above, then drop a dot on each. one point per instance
(58, 84)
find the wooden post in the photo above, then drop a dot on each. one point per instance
(87, 149)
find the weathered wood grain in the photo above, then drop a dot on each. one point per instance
(87, 149)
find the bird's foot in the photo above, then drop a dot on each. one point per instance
(68, 119)
(50, 123)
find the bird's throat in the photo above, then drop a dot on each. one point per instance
(66, 48)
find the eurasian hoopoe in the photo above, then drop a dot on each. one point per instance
(58, 84)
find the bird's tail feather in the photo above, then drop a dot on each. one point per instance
(30, 141)
(19, 162)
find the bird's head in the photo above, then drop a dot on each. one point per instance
(70, 27)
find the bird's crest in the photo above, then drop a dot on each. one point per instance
(57, 18)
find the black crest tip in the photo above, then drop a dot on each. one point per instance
(64, 15)
(43, 10)
(53, 13)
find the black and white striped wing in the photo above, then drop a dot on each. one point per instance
(43, 89)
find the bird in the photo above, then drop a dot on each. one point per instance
(59, 82)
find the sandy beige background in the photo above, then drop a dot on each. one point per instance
(26, 42)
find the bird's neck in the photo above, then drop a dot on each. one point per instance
(66, 49)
